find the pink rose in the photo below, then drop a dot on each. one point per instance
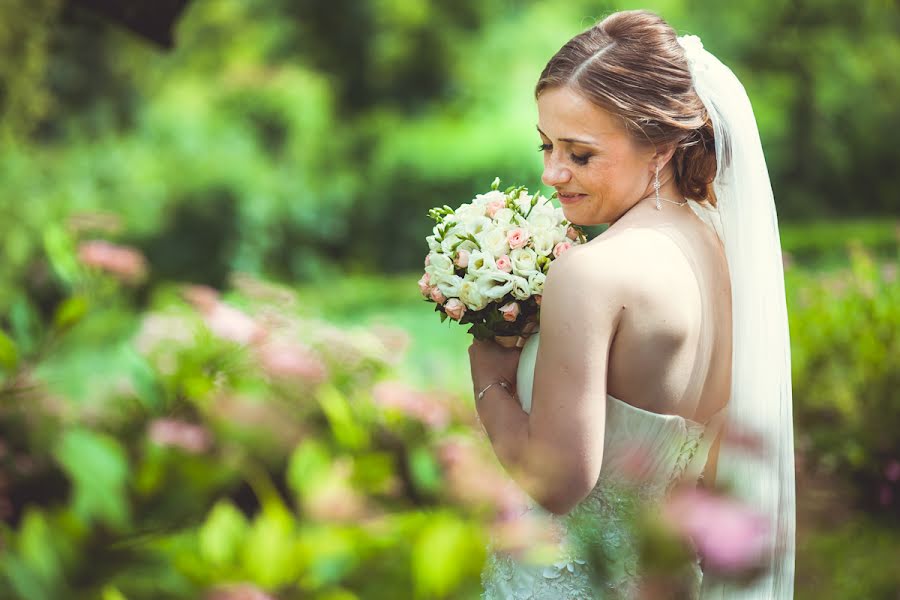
(510, 311)
(493, 206)
(560, 248)
(537, 299)
(455, 309)
(437, 295)
(462, 259)
(571, 233)
(424, 286)
(517, 238)
(504, 264)
(427, 259)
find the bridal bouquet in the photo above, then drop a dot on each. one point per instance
(488, 260)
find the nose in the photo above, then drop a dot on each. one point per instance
(555, 173)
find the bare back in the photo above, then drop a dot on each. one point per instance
(671, 352)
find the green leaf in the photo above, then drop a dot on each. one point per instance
(424, 469)
(223, 533)
(270, 552)
(98, 468)
(9, 355)
(307, 467)
(443, 555)
(496, 184)
(70, 312)
(60, 249)
(346, 430)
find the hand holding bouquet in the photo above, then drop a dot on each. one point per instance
(488, 260)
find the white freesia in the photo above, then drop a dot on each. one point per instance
(493, 195)
(433, 244)
(450, 286)
(475, 225)
(494, 286)
(520, 290)
(440, 269)
(536, 282)
(470, 295)
(524, 261)
(493, 241)
(544, 241)
(523, 202)
(481, 262)
(504, 216)
(469, 211)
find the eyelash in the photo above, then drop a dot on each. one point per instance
(579, 160)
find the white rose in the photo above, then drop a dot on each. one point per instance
(471, 296)
(469, 211)
(536, 282)
(520, 289)
(450, 287)
(543, 241)
(494, 286)
(481, 262)
(524, 261)
(476, 225)
(440, 269)
(493, 241)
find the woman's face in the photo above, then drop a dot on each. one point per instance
(596, 167)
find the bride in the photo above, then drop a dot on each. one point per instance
(660, 334)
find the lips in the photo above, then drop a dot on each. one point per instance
(569, 197)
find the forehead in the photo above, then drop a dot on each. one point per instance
(565, 113)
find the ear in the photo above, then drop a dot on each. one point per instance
(662, 156)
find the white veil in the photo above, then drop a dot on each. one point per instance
(761, 395)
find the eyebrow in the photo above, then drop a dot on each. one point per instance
(570, 140)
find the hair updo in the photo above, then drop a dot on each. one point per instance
(631, 65)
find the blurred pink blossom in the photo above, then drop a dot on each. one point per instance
(885, 495)
(224, 320)
(427, 259)
(180, 434)
(244, 591)
(291, 360)
(730, 536)
(892, 470)
(418, 405)
(125, 263)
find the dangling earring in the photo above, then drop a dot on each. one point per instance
(656, 188)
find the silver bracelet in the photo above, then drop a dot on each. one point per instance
(503, 384)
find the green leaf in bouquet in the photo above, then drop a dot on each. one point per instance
(222, 534)
(98, 467)
(111, 592)
(34, 568)
(70, 312)
(9, 355)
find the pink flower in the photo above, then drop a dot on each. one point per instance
(455, 309)
(572, 233)
(892, 470)
(420, 406)
(233, 325)
(504, 264)
(179, 434)
(437, 295)
(239, 592)
(517, 238)
(560, 248)
(493, 206)
(125, 263)
(427, 259)
(288, 360)
(730, 536)
(510, 311)
(424, 285)
(537, 299)
(462, 259)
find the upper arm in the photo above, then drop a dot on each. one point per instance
(580, 310)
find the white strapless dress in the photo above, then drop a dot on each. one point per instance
(672, 449)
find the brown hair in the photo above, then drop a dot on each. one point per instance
(631, 65)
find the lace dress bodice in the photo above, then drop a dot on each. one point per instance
(644, 455)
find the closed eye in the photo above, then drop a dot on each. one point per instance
(576, 158)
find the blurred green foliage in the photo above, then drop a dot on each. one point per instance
(299, 140)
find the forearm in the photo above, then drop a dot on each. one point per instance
(506, 425)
